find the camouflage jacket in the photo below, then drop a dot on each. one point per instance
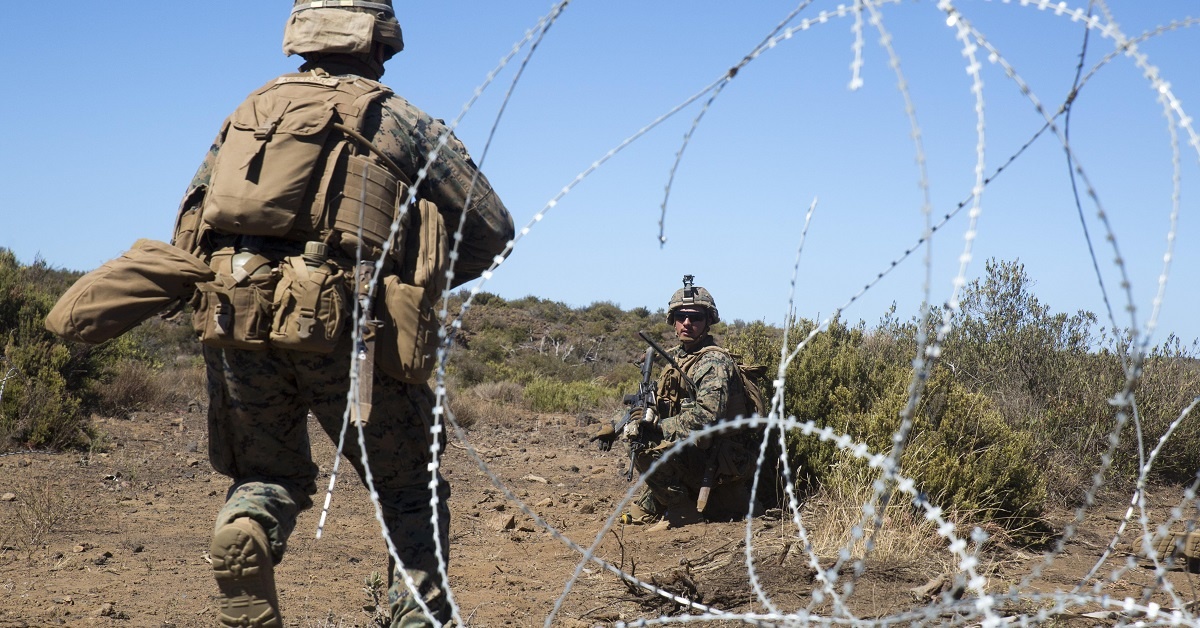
(407, 136)
(717, 384)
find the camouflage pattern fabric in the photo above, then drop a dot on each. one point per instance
(715, 376)
(258, 436)
(677, 482)
(259, 400)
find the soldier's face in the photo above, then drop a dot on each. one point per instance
(690, 324)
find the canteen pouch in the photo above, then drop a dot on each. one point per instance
(125, 291)
(234, 310)
(310, 306)
(407, 338)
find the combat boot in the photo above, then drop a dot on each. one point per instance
(642, 511)
(245, 574)
(1179, 543)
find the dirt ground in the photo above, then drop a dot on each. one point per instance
(129, 529)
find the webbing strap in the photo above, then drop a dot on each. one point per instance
(249, 268)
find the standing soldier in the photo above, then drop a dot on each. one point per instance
(294, 209)
(701, 385)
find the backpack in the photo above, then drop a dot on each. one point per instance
(294, 165)
(290, 165)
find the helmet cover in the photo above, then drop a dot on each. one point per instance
(342, 26)
(692, 296)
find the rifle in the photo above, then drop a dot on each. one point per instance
(643, 398)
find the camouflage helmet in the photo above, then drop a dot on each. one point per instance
(345, 26)
(692, 296)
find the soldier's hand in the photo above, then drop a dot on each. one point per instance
(605, 437)
(632, 424)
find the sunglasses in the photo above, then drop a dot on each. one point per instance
(695, 317)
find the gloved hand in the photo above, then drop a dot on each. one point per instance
(633, 427)
(605, 437)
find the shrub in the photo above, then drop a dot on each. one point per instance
(962, 455)
(545, 395)
(50, 384)
(1170, 379)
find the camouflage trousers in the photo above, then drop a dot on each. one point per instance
(676, 482)
(258, 437)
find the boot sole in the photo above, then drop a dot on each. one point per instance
(245, 576)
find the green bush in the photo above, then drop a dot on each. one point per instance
(49, 384)
(967, 458)
(545, 395)
(962, 455)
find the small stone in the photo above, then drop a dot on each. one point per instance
(503, 522)
(8, 497)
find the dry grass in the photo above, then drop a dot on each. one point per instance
(903, 540)
(40, 509)
(488, 403)
(498, 392)
(143, 387)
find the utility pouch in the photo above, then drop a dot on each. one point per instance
(234, 310)
(407, 340)
(407, 337)
(273, 143)
(189, 228)
(310, 305)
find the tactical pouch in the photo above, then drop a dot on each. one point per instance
(272, 146)
(234, 310)
(362, 198)
(407, 338)
(310, 306)
(189, 228)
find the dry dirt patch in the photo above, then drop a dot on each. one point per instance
(126, 531)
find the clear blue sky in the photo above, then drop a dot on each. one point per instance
(110, 108)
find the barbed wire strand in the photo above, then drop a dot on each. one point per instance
(775, 411)
(1123, 400)
(965, 559)
(687, 137)
(362, 322)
